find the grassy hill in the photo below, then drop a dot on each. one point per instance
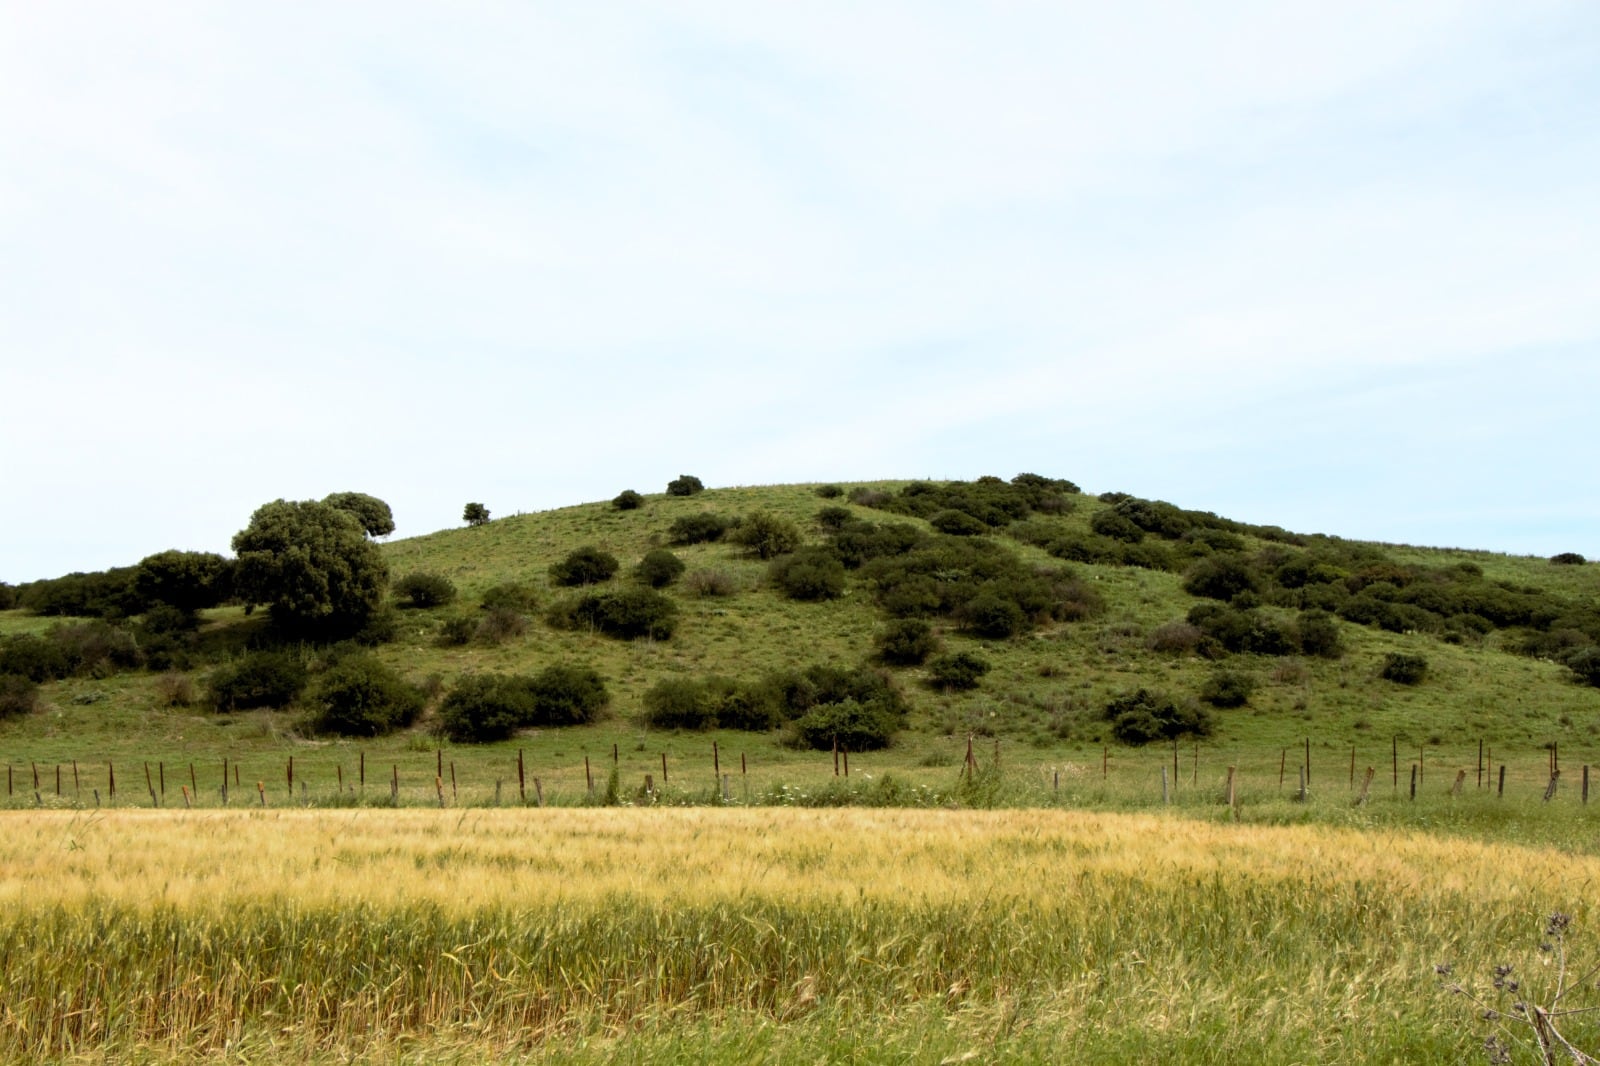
(1043, 699)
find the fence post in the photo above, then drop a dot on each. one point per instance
(1366, 784)
(1300, 795)
(1413, 782)
(1550, 790)
(1164, 797)
(1231, 796)
(1585, 784)
(1501, 791)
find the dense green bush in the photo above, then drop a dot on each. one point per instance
(456, 630)
(958, 523)
(829, 492)
(992, 613)
(1585, 663)
(1236, 630)
(101, 594)
(857, 543)
(684, 485)
(1112, 523)
(808, 574)
(1403, 668)
(956, 672)
(1568, 559)
(1221, 577)
(1143, 716)
(34, 657)
(510, 596)
(361, 697)
(767, 535)
(833, 519)
(628, 500)
(480, 708)
(1228, 688)
(475, 514)
(852, 726)
(18, 696)
(624, 613)
(713, 703)
(564, 694)
(907, 642)
(8, 596)
(1318, 635)
(423, 589)
(257, 679)
(189, 581)
(699, 528)
(587, 565)
(659, 568)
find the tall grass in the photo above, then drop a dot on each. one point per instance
(306, 933)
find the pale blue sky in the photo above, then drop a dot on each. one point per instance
(1334, 266)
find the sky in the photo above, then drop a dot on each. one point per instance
(1331, 266)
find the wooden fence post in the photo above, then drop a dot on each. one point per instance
(1231, 797)
(1550, 790)
(1501, 791)
(1413, 782)
(1366, 784)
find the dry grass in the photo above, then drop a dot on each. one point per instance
(308, 933)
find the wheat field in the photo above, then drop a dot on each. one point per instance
(589, 935)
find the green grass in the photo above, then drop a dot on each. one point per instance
(1042, 699)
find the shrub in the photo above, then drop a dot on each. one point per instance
(684, 485)
(175, 690)
(958, 524)
(1403, 669)
(1180, 637)
(510, 596)
(18, 696)
(1319, 634)
(457, 630)
(567, 695)
(1221, 577)
(584, 566)
(313, 565)
(829, 492)
(957, 672)
(186, 580)
(500, 624)
(1228, 688)
(97, 647)
(485, 707)
(8, 596)
(422, 589)
(1568, 559)
(707, 583)
(1586, 664)
(475, 514)
(809, 574)
(679, 703)
(659, 568)
(257, 679)
(628, 500)
(623, 613)
(35, 658)
(1142, 716)
(699, 528)
(833, 519)
(907, 642)
(767, 535)
(361, 697)
(853, 726)
(1110, 523)
(991, 614)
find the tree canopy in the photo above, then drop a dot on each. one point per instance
(311, 563)
(373, 514)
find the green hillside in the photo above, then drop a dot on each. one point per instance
(1103, 615)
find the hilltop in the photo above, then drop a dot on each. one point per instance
(1101, 619)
